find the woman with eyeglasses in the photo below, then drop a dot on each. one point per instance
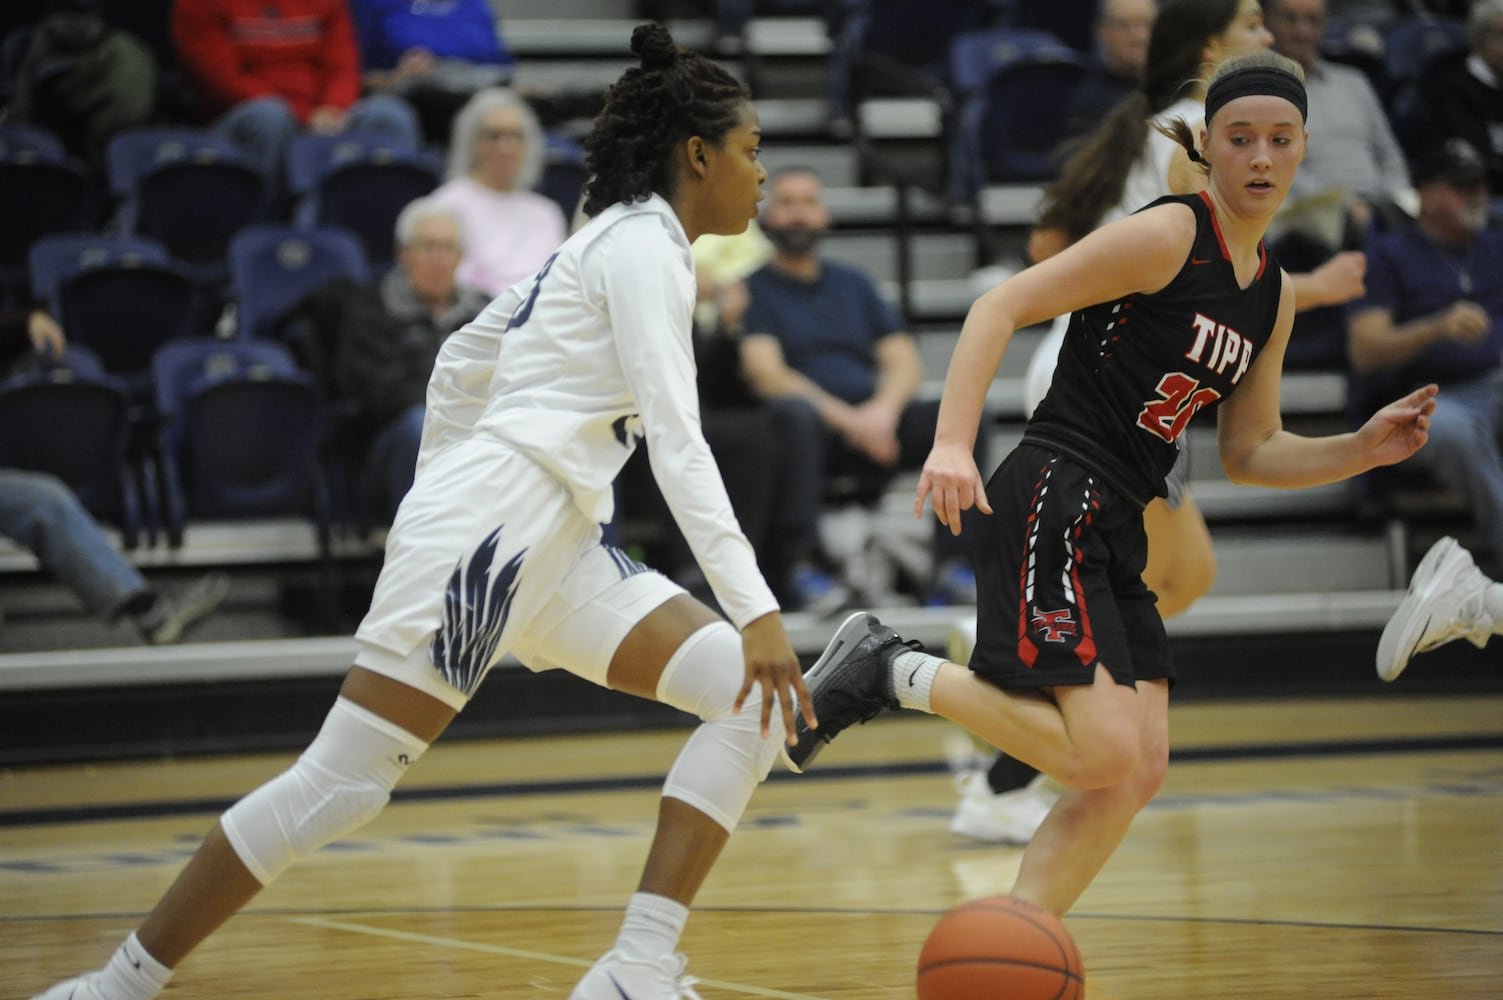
(495, 161)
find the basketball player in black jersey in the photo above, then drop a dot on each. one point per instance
(1177, 310)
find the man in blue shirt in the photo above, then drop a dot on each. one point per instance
(819, 340)
(1433, 312)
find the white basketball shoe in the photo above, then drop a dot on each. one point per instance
(618, 976)
(81, 988)
(1444, 602)
(1002, 818)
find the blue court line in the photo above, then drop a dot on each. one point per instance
(445, 793)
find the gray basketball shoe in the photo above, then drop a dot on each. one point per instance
(850, 684)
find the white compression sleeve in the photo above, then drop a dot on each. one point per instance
(726, 757)
(339, 784)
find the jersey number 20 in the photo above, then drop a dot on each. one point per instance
(1180, 396)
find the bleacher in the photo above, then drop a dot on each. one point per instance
(1306, 578)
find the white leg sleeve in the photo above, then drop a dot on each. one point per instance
(726, 758)
(339, 784)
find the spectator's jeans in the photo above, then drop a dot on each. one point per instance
(40, 512)
(1465, 450)
(812, 454)
(391, 461)
(264, 126)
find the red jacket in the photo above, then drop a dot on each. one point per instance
(300, 50)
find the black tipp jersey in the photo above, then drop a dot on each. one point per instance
(1133, 372)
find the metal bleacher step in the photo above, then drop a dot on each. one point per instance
(274, 659)
(940, 255)
(534, 37)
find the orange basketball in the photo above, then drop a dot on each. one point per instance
(999, 947)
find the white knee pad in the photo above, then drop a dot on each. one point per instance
(339, 784)
(726, 757)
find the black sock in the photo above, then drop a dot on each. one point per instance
(1008, 774)
(137, 604)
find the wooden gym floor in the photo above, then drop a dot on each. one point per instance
(1338, 849)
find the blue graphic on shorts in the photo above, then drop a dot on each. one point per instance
(477, 602)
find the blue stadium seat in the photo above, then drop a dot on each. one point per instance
(1011, 84)
(900, 47)
(42, 191)
(191, 190)
(358, 182)
(75, 426)
(564, 173)
(273, 266)
(122, 297)
(239, 434)
(1413, 43)
(19, 142)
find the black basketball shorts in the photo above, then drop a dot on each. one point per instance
(1059, 576)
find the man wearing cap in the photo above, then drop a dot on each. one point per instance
(1433, 312)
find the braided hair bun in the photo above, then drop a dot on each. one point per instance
(655, 46)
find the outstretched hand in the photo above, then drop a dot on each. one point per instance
(1399, 429)
(950, 474)
(772, 665)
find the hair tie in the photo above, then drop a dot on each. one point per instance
(1260, 80)
(1194, 155)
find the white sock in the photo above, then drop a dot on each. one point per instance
(652, 926)
(913, 676)
(132, 973)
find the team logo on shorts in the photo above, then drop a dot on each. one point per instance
(1054, 626)
(477, 603)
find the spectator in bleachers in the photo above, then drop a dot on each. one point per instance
(268, 70)
(1357, 156)
(1351, 181)
(820, 341)
(1465, 99)
(495, 161)
(40, 512)
(1433, 312)
(83, 79)
(435, 56)
(1123, 28)
(383, 340)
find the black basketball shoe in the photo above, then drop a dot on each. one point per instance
(849, 684)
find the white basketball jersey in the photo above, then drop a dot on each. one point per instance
(573, 365)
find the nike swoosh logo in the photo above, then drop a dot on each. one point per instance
(913, 675)
(131, 957)
(624, 995)
(1200, 260)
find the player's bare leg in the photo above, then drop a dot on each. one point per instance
(1085, 827)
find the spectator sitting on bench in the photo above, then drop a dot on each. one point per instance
(378, 344)
(819, 340)
(40, 512)
(1433, 312)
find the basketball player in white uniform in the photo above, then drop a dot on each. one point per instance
(532, 411)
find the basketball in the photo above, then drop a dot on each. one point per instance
(1000, 947)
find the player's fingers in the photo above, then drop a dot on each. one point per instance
(982, 504)
(924, 487)
(746, 687)
(952, 511)
(767, 699)
(806, 703)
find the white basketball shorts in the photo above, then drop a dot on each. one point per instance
(489, 554)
